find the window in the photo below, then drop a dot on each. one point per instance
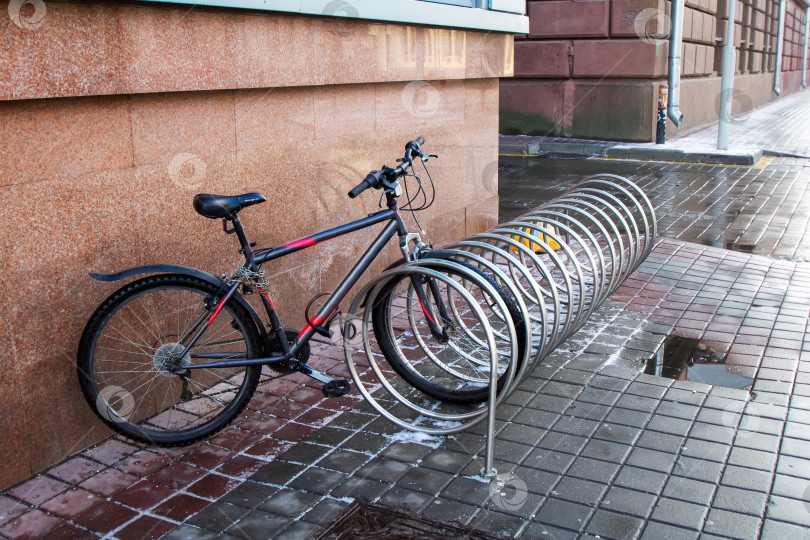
(465, 3)
(512, 6)
(494, 15)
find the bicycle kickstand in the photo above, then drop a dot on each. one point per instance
(332, 388)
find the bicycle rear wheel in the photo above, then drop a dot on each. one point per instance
(132, 344)
(455, 370)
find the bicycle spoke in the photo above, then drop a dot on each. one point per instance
(137, 354)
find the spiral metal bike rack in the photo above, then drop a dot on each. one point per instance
(557, 263)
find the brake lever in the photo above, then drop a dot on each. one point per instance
(427, 157)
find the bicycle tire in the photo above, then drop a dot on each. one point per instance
(437, 384)
(130, 342)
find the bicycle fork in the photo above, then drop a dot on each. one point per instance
(434, 320)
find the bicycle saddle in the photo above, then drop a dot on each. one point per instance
(223, 206)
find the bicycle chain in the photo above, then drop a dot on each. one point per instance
(249, 278)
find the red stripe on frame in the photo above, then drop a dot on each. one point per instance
(272, 305)
(319, 320)
(216, 312)
(426, 311)
(304, 242)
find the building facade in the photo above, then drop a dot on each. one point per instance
(114, 114)
(592, 68)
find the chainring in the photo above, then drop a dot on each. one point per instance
(275, 348)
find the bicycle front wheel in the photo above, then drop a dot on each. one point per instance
(455, 369)
(132, 345)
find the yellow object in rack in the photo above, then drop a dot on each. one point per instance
(534, 246)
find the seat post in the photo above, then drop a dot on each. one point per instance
(240, 232)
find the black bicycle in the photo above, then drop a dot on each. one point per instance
(175, 356)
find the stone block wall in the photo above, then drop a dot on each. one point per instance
(591, 68)
(114, 114)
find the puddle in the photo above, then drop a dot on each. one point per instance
(744, 248)
(688, 359)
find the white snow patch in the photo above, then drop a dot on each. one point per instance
(480, 478)
(416, 437)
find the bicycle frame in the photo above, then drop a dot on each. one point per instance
(395, 225)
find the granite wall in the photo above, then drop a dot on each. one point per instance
(113, 115)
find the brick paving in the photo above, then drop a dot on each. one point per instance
(123, 489)
(588, 445)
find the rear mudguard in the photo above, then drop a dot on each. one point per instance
(191, 272)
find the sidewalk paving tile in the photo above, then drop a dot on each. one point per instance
(627, 501)
(614, 526)
(563, 514)
(740, 501)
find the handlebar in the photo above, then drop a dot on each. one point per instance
(376, 179)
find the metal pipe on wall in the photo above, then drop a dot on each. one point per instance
(727, 84)
(804, 54)
(674, 63)
(777, 80)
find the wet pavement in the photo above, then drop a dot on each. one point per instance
(777, 128)
(588, 446)
(762, 210)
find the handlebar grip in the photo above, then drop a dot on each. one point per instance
(413, 148)
(372, 180)
(359, 188)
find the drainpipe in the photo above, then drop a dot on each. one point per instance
(727, 84)
(674, 77)
(804, 55)
(777, 82)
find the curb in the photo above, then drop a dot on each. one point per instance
(535, 148)
(589, 149)
(633, 153)
(528, 149)
(681, 156)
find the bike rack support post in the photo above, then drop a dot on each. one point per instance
(361, 309)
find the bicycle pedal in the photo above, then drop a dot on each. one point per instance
(336, 389)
